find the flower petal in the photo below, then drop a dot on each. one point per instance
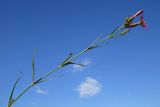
(142, 22)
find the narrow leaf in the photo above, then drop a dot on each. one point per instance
(111, 36)
(38, 81)
(92, 47)
(33, 70)
(70, 55)
(124, 32)
(79, 64)
(66, 61)
(11, 99)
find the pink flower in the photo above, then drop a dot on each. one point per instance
(135, 15)
(141, 22)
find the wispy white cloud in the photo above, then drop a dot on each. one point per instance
(40, 91)
(85, 62)
(88, 88)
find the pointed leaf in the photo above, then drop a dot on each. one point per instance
(33, 66)
(112, 36)
(70, 55)
(124, 32)
(79, 64)
(38, 81)
(92, 47)
(67, 63)
(11, 99)
(33, 70)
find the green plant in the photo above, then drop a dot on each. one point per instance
(116, 33)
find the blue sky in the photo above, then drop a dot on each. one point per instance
(123, 74)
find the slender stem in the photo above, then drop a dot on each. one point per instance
(108, 37)
(58, 67)
(51, 71)
(83, 51)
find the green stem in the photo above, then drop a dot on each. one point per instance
(58, 67)
(51, 71)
